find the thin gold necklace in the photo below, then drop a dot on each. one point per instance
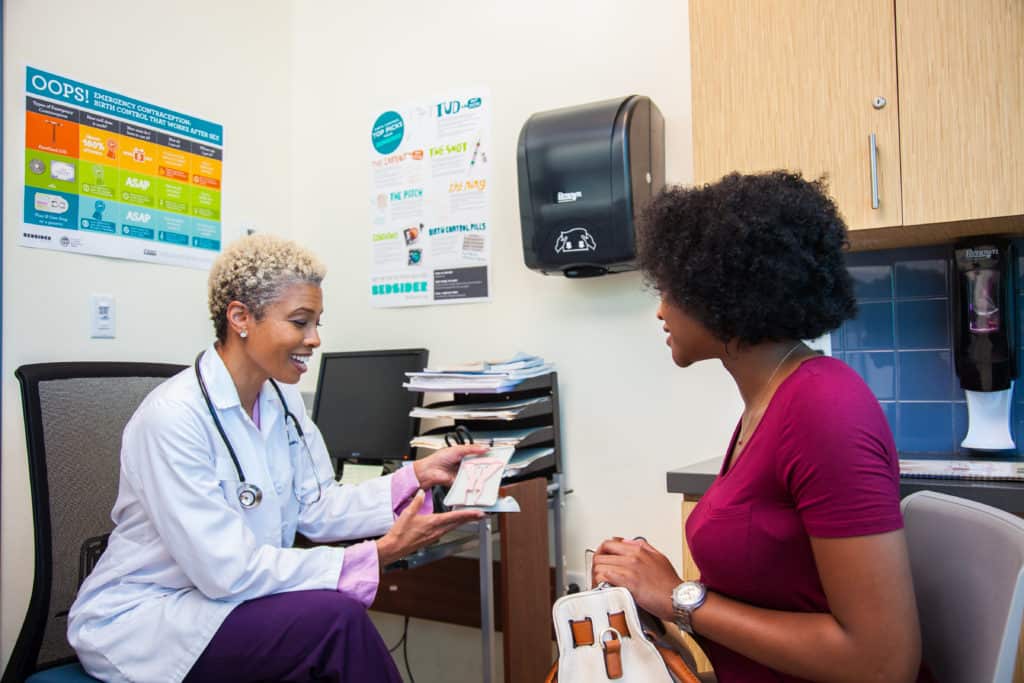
(744, 424)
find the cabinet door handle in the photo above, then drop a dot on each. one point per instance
(874, 170)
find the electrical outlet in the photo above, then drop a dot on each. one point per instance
(102, 316)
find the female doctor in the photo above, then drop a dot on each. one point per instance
(220, 467)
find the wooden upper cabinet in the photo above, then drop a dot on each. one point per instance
(792, 84)
(961, 82)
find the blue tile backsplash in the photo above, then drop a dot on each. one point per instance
(871, 282)
(901, 344)
(925, 278)
(925, 375)
(923, 324)
(878, 369)
(872, 329)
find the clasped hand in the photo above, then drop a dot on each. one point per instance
(637, 566)
(412, 531)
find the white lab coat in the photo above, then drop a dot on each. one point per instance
(184, 553)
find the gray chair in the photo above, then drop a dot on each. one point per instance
(74, 416)
(967, 560)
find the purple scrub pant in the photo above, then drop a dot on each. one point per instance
(300, 636)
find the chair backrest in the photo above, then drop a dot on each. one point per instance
(967, 560)
(74, 416)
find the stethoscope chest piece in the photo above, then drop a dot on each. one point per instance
(249, 495)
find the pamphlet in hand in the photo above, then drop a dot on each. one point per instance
(477, 481)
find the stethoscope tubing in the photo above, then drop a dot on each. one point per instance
(249, 495)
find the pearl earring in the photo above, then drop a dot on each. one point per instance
(243, 334)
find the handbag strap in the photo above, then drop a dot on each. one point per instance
(676, 665)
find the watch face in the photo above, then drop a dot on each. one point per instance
(687, 593)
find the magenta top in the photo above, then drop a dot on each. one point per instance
(360, 571)
(822, 462)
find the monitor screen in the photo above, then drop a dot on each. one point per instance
(361, 407)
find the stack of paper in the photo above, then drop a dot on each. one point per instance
(501, 410)
(479, 376)
(524, 457)
(520, 361)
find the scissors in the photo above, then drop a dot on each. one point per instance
(460, 436)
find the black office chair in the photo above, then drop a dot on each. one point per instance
(74, 416)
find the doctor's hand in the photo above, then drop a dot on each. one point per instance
(639, 567)
(412, 531)
(439, 468)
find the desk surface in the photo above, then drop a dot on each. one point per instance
(694, 480)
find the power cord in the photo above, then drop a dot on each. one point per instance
(405, 653)
(405, 632)
(403, 642)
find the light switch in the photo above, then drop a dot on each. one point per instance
(101, 313)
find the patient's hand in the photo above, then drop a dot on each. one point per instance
(639, 567)
(412, 531)
(440, 467)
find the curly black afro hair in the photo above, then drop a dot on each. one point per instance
(752, 257)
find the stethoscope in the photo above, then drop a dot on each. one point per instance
(250, 495)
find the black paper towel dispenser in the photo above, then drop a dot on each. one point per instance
(585, 173)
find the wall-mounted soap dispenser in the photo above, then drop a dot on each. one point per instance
(984, 338)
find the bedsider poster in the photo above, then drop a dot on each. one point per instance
(430, 238)
(110, 175)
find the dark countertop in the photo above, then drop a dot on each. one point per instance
(695, 479)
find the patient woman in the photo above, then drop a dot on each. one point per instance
(799, 541)
(220, 467)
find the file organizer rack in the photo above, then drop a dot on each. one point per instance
(537, 486)
(543, 417)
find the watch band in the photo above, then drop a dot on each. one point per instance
(682, 620)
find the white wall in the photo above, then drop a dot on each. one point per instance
(277, 76)
(629, 414)
(225, 61)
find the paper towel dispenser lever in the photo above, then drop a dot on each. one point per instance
(585, 173)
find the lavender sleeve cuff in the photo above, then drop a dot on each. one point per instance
(404, 486)
(360, 572)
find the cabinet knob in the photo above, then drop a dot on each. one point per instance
(879, 102)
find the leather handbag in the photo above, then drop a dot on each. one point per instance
(603, 636)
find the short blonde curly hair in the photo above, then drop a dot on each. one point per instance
(254, 271)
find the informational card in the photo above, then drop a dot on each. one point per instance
(478, 479)
(110, 175)
(430, 240)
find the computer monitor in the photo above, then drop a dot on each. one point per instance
(361, 407)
